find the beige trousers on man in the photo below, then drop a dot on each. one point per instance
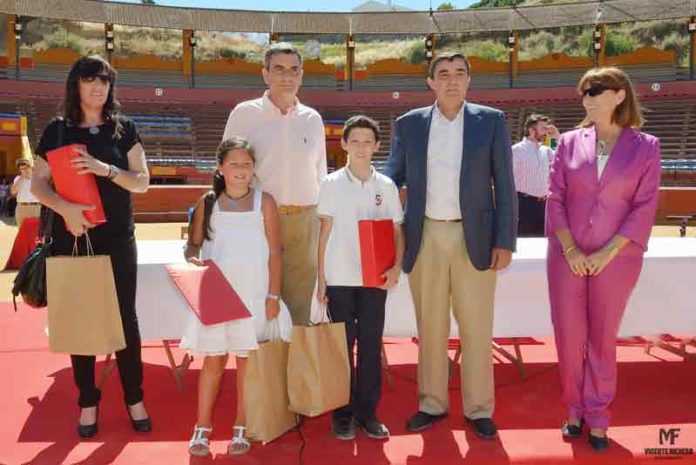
(444, 277)
(299, 233)
(24, 211)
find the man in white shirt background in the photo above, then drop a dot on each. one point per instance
(290, 147)
(531, 161)
(28, 206)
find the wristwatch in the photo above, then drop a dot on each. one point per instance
(113, 172)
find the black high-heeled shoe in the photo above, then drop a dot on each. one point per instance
(571, 431)
(139, 426)
(88, 431)
(599, 443)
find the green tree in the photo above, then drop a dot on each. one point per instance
(445, 6)
(148, 2)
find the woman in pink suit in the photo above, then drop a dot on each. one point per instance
(601, 207)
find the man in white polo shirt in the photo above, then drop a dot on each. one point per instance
(531, 162)
(353, 193)
(290, 147)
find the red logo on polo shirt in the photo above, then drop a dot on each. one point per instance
(378, 200)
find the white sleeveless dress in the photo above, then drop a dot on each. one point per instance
(240, 248)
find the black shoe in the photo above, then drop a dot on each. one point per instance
(571, 431)
(88, 431)
(374, 429)
(421, 421)
(140, 426)
(599, 443)
(343, 428)
(483, 427)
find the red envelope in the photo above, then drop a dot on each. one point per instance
(208, 292)
(377, 250)
(73, 187)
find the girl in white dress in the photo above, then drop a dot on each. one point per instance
(237, 227)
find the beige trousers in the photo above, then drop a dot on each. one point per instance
(24, 211)
(443, 278)
(299, 234)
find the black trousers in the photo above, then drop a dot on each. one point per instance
(124, 259)
(362, 310)
(532, 216)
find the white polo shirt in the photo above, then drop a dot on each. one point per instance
(347, 200)
(290, 149)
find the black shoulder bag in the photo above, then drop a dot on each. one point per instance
(30, 281)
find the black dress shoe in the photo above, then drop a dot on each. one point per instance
(374, 429)
(140, 426)
(421, 421)
(483, 427)
(599, 443)
(88, 431)
(343, 428)
(571, 431)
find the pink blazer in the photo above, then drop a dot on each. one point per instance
(623, 201)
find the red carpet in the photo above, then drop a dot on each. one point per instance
(39, 413)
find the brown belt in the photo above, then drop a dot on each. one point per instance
(28, 203)
(457, 220)
(293, 209)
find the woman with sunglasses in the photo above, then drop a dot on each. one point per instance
(116, 157)
(600, 210)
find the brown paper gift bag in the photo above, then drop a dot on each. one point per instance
(266, 392)
(83, 311)
(318, 369)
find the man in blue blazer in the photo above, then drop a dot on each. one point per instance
(460, 228)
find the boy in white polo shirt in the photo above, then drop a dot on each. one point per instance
(357, 192)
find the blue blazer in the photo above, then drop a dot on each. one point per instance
(487, 194)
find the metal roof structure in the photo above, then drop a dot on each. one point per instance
(521, 18)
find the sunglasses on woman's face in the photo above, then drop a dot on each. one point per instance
(594, 90)
(104, 78)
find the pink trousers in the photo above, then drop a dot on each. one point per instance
(586, 312)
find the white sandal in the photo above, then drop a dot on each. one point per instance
(199, 445)
(239, 444)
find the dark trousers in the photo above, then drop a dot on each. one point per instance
(362, 310)
(124, 261)
(532, 216)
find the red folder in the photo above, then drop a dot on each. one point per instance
(377, 250)
(73, 187)
(208, 292)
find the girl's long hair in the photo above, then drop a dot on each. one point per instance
(234, 143)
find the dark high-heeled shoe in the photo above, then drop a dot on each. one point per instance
(140, 426)
(599, 443)
(88, 431)
(571, 431)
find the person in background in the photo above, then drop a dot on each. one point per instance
(28, 206)
(531, 161)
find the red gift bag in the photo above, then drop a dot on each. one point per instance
(73, 187)
(377, 250)
(208, 292)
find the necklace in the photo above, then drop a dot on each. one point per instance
(234, 202)
(94, 130)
